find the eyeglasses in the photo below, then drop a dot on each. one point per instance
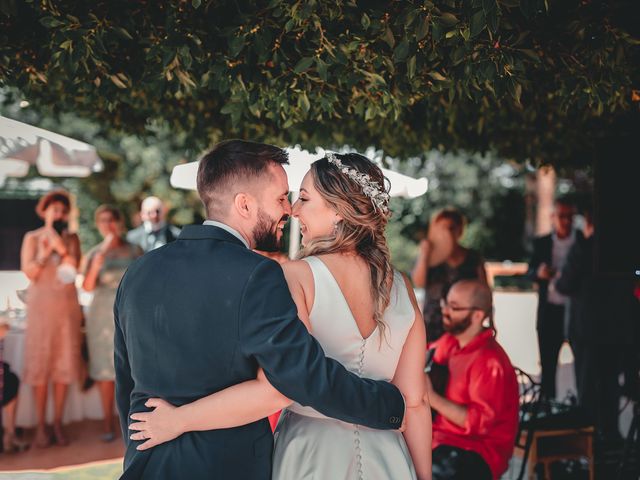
(445, 305)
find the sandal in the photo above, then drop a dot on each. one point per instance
(60, 438)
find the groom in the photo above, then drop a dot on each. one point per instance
(204, 312)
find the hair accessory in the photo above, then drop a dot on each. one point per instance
(372, 189)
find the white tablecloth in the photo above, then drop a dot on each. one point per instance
(79, 405)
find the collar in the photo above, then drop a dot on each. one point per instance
(227, 228)
(478, 341)
(153, 227)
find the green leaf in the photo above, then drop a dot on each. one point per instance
(370, 113)
(303, 102)
(411, 67)
(449, 19)
(236, 44)
(401, 51)
(477, 23)
(451, 33)
(303, 64)
(118, 83)
(437, 76)
(50, 22)
(423, 29)
(388, 37)
(322, 69)
(196, 3)
(67, 45)
(230, 108)
(255, 110)
(365, 21)
(123, 33)
(374, 78)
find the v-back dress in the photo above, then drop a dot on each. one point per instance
(310, 446)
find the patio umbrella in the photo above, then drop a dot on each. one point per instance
(54, 155)
(184, 176)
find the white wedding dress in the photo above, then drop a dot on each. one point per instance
(310, 446)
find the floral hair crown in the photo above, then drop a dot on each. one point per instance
(372, 189)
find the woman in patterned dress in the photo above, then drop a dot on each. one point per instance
(49, 258)
(103, 268)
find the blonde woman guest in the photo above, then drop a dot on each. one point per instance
(103, 268)
(49, 258)
(363, 313)
(441, 262)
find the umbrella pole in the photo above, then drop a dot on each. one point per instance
(294, 231)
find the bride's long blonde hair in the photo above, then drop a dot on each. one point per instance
(362, 226)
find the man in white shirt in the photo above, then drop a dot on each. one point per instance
(549, 254)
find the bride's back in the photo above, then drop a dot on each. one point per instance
(341, 315)
(353, 277)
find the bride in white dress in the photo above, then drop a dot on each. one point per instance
(363, 313)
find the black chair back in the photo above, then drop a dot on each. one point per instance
(530, 396)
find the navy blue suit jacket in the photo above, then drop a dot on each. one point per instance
(202, 313)
(542, 253)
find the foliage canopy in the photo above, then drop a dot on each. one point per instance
(531, 79)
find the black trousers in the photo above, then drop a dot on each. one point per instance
(550, 338)
(453, 463)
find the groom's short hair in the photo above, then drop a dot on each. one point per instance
(230, 165)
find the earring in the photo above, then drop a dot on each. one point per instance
(335, 227)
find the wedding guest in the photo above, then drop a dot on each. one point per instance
(441, 262)
(477, 416)
(103, 268)
(49, 258)
(549, 255)
(154, 231)
(599, 352)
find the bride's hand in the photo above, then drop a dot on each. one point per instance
(158, 426)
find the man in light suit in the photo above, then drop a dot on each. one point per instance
(204, 312)
(154, 231)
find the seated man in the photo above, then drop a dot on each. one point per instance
(477, 418)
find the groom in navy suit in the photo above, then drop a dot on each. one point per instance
(204, 312)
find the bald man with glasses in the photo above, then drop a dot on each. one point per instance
(477, 421)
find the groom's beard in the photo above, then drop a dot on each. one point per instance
(266, 235)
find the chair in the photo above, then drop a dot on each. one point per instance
(549, 431)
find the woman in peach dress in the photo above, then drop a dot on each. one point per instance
(49, 257)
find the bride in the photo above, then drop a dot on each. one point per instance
(363, 313)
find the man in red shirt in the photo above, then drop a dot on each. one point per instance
(477, 418)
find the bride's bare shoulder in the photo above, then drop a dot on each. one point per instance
(297, 270)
